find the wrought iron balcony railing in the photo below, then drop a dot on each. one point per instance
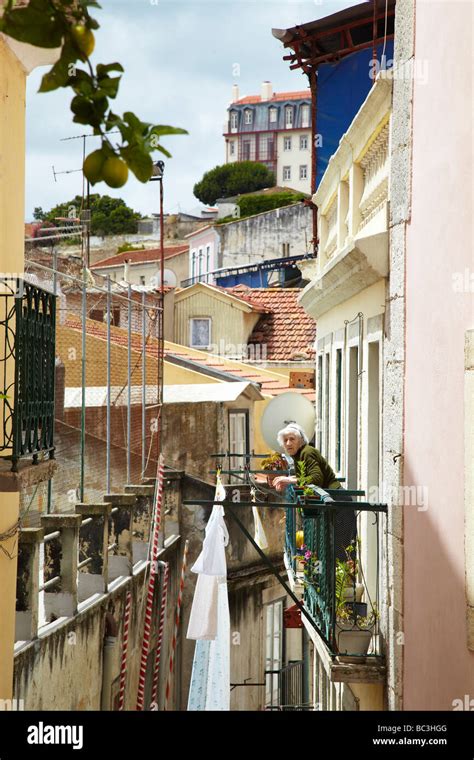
(340, 594)
(27, 335)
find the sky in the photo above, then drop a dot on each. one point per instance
(181, 58)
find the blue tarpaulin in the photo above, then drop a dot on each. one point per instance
(342, 88)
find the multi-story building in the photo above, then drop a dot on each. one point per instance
(273, 129)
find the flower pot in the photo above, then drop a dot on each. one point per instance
(352, 640)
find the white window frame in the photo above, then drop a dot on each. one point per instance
(286, 173)
(199, 319)
(289, 116)
(233, 119)
(304, 142)
(305, 115)
(304, 171)
(287, 143)
(232, 148)
(272, 115)
(248, 116)
(273, 649)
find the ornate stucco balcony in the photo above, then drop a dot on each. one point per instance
(353, 200)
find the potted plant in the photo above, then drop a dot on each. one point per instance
(303, 489)
(308, 563)
(275, 464)
(354, 628)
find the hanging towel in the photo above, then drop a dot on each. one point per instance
(259, 536)
(211, 566)
(210, 678)
(203, 618)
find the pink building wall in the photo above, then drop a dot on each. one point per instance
(438, 667)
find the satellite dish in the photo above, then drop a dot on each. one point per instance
(283, 409)
(169, 278)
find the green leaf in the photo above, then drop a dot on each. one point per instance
(109, 86)
(134, 122)
(139, 161)
(164, 130)
(35, 24)
(60, 74)
(103, 68)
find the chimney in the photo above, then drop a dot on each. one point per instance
(267, 90)
(235, 92)
(126, 274)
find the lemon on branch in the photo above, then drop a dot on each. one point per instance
(115, 172)
(93, 166)
(83, 39)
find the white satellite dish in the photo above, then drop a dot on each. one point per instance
(169, 278)
(283, 409)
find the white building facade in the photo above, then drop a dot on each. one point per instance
(273, 129)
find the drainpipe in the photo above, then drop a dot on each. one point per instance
(313, 83)
(108, 660)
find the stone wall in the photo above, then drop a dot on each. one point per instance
(262, 236)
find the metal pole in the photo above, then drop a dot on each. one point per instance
(108, 383)
(55, 290)
(143, 384)
(129, 380)
(83, 381)
(161, 323)
(313, 83)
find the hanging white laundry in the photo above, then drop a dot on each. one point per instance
(212, 559)
(203, 617)
(260, 537)
(210, 679)
(209, 622)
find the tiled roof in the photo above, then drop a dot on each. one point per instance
(251, 99)
(271, 383)
(286, 330)
(149, 255)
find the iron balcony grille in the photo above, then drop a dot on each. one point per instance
(28, 321)
(326, 592)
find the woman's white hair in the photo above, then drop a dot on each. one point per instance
(294, 428)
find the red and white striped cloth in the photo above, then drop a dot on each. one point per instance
(151, 584)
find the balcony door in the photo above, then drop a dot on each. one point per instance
(238, 440)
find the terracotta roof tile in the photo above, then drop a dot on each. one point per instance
(276, 96)
(140, 257)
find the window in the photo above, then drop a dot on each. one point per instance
(289, 116)
(287, 143)
(286, 172)
(238, 439)
(272, 115)
(248, 117)
(142, 279)
(338, 407)
(233, 119)
(193, 265)
(200, 258)
(320, 402)
(232, 148)
(352, 418)
(285, 249)
(304, 172)
(200, 332)
(208, 261)
(246, 150)
(305, 116)
(327, 378)
(273, 652)
(303, 142)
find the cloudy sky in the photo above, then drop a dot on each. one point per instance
(180, 59)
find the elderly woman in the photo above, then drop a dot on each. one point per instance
(295, 443)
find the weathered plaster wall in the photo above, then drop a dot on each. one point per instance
(262, 236)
